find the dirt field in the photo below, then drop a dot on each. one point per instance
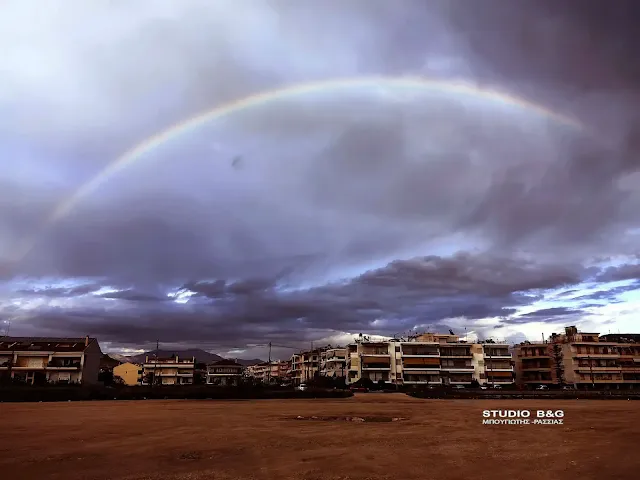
(439, 439)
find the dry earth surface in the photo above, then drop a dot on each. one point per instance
(259, 439)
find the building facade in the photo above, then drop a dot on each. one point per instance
(270, 372)
(226, 373)
(493, 364)
(333, 362)
(129, 373)
(168, 371)
(41, 360)
(579, 359)
(429, 359)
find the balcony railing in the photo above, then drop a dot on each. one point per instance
(63, 365)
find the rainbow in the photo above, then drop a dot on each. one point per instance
(148, 145)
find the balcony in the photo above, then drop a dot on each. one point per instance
(449, 354)
(596, 355)
(458, 369)
(152, 365)
(63, 365)
(420, 352)
(584, 369)
(376, 366)
(497, 354)
(499, 368)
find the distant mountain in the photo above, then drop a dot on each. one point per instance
(200, 355)
(248, 363)
(119, 358)
(108, 362)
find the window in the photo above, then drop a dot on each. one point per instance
(397, 349)
(398, 361)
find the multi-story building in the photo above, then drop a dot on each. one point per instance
(428, 359)
(333, 362)
(168, 371)
(583, 360)
(39, 360)
(493, 363)
(295, 369)
(224, 373)
(270, 372)
(129, 373)
(310, 365)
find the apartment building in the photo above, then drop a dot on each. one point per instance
(295, 369)
(493, 364)
(333, 362)
(40, 360)
(370, 360)
(129, 373)
(580, 359)
(428, 359)
(270, 372)
(309, 365)
(225, 373)
(168, 371)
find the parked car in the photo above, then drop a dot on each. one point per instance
(542, 387)
(497, 387)
(302, 387)
(459, 387)
(359, 389)
(568, 387)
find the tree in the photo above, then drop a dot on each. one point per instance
(106, 377)
(475, 383)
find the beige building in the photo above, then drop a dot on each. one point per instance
(333, 362)
(168, 371)
(225, 373)
(493, 364)
(295, 372)
(579, 359)
(40, 360)
(428, 359)
(274, 372)
(129, 373)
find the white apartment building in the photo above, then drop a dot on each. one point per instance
(428, 359)
(168, 371)
(333, 362)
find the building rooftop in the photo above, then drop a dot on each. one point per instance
(225, 362)
(66, 344)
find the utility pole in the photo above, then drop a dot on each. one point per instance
(155, 367)
(269, 370)
(491, 370)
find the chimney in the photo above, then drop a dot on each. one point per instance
(86, 341)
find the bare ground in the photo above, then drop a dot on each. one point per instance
(263, 439)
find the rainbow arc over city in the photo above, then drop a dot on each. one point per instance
(143, 149)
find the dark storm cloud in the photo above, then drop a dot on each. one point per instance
(133, 296)
(551, 312)
(622, 272)
(55, 292)
(391, 299)
(326, 226)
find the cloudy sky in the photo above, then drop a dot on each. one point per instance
(479, 170)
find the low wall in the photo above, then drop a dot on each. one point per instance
(505, 395)
(78, 393)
